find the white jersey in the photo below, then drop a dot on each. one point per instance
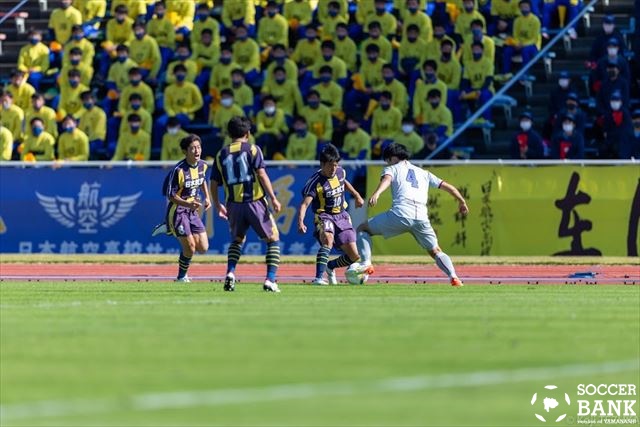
(410, 189)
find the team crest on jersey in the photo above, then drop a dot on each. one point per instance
(89, 211)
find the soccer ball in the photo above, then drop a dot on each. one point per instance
(356, 274)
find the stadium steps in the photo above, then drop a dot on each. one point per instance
(572, 61)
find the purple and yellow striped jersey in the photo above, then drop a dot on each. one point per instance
(236, 166)
(185, 180)
(327, 193)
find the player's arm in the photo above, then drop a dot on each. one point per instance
(266, 185)
(222, 210)
(462, 203)
(302, 211)
(194, 205)
(354, 193)
(384, 183)
(207, 199)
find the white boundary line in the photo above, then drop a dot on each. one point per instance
(208, 398)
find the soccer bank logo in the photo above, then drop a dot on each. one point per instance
(551, 404)
(89, 210)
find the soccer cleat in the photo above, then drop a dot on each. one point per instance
(230, 282)
(270, 286)
(160, 229)
(368, 269)
(185, 279)
(456, 282)
(331, 276)
(319, 281)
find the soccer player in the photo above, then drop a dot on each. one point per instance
(240, 168)
(324, 191)
(182, 212)
(408, 214)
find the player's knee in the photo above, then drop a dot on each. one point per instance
(434, 251)
(203, 247)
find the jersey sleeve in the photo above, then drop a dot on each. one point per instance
(258, 158)
(309, 189)
(389, 170)
(434, 181)
(175, 181)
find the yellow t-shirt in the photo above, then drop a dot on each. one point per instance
(61, 20)
(302, 148)
(12, 118)
(73, 146)
(385, 124)
(133, 146)
(184, 99)
(93, 123)
(41, 146)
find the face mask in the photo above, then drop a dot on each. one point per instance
(74, 83)
(88, 105)
(203, 16)
(385, 106)
(69, 129)
(333, 13)
(352, 129)
(407, 128)
(34, 41)
(612, 51)
(181, 77)
(525, 125)
(434, 104)
(183, 57)
(567, 128)
(608, 28)
(412, 39)
(372, 58)
(325, 79)
(134, 128)
(6, 105)
(270, 110)
(159, 15)
(242, 38)
(615, 105)
(525, 12)
(327, 58)
(301, 132)
(388, 79)
(172, 131)
(136, 106)
(134, 82)
(438, 35)
(468, 9)
(226, 102)
(225, 60)
(280, 80)
(342, 36)
(122, 59)
(74, 61)
(380, 10)
(236, 83)
(311, 38)
(430, 76)
(446, 56)
(572, 106)
(314, 104)
(77, 37)
(477, 56)
(37, 131)
(119, 20)
(413, 10)
(139, 36)
(272, 13)
(564, 83)
(477, 33)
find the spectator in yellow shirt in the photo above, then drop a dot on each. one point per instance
(238, 13)
(21, 90)
(337, 65)
(206, 55)
(346, 48)
(145, 52)
(93, 12)
(183, 57)
(285, 91)
(78, 40)
(136, 8)
(221, 72)
(357, 142)
(463, 22)
(73, 144)
(298, 14)
(47, 114)
(220, 118)
(11, 116)
(246, 54)
(413, 15)
(307, 50)
(204, 21)
(279, 59)
(437, 118)
(526, 32)
(76, 62)
(242, 93)
(429, 80)
(136, 85)
(273, 27)
(412, 50)
(6, 144)
(478, 35)
(161, 29)
(331, 94)
(61, 20)
(271, 128)
(386, 122)
(449, 69)
(302, 144)
(398, 90)
(477, 80)
(34, 58)
(92, 121)
(69, 99)
(409, 138)
(334, 17)
(134, 143)
(37, 143)
(171, 141)
(119, 28)
(319, 117)
(181, 14)
(181, 99)
(388, 22)
(376, 38)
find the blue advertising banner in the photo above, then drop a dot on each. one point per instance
(113, 210)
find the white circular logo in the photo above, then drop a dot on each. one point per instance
(550, 403)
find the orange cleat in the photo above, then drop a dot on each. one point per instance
(369, 270)
(456, 282)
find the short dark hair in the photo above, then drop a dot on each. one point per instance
(326, 69)
(179, 68)
(238, 127)
(187, 140)
(75, 51)
(86, 94)
(413, 27)
(173, 121)
(430, 63)
(135, 96)
(329, 154)
(328, 44)
(396, 150)
(433, 93)
(134, 118)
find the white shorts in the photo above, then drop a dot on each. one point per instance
(389, 224)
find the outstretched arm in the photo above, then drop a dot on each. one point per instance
(354, 193)
(302, 211)
(462, 204)
(266, 184)
(385, 182)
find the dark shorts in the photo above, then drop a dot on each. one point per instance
(337, 224)
(251, 214)
(183, 221)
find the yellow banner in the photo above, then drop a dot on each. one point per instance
(525, 210)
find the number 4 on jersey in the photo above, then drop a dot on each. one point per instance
(411, 177)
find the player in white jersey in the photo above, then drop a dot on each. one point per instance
(408, 214)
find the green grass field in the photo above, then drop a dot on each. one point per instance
(166, 354)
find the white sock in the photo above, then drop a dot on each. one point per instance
(364, 247)
(444, 263)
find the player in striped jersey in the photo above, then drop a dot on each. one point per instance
(408, 214)
(240, 168)
(324, 191)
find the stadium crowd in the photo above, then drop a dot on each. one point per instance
(126, 79)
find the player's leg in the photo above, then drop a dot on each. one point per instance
(188, 247)
(364, 242)
(325, 235)
(345, 238)
(426, 237)
(387, 224)
(199, 232)
(238, 227)
(262, 222)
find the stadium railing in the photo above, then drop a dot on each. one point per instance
(500, 95)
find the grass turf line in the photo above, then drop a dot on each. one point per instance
(385, 259)
(112, 340)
